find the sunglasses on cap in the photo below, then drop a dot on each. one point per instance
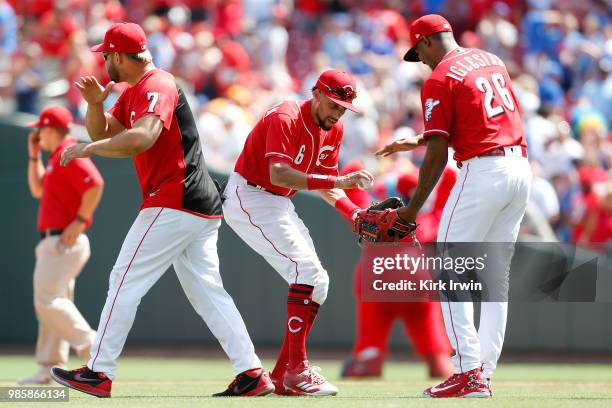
(346, 93)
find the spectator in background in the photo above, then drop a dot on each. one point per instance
(543, 195)
(598, 220)
(68, 198)
(560, 63)
(561, 152)
(28, 74)
(498, 34)
(54, 30)
(8, 29)
(598, 89)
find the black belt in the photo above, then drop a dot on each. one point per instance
(47, 233)
(264, 189)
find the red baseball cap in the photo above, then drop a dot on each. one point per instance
(422, 27)
(338, 86)
(123, 37)
(55, 116)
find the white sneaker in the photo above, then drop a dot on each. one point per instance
(306, 380)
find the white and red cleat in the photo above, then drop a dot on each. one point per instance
(279, 388)
(305, 380)
(471, 384)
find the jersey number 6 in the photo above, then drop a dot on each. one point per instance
(499, 82)
(300, 156)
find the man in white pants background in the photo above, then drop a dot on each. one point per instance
(179, 218)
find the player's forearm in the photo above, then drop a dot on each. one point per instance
(338, 199)
(287, 177)
(283, 175)
(89, 201)
(433, 165)
(332, 196)
(36, 172)
(96, 122)
(125, 144)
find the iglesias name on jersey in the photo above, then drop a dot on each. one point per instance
(469, 99)
(287, 132)
(172, 173)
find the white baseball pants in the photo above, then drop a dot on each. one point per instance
(486, 204)
(60, 324)
(161, 237)
(269, 224)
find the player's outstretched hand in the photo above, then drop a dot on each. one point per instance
(74, 152)
(361, 179)
(401, 145)
(92, 91)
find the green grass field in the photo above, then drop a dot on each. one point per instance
(165, 382)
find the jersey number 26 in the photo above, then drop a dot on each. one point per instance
(484, 86)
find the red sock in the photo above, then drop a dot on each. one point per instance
(295, 304)
(314, 309)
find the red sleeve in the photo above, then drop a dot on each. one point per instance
(118, 110)
(84, 175)
(327, 160)
(280, 143)
(157, 96)
(437, 108)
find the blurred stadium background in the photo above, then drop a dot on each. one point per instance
(235, 59)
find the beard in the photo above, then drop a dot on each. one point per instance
(113, 73)
(323, 124)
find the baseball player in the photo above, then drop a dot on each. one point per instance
(68, 198)
(179, 217)
(294, 146)
(422, 320)
(468, 104)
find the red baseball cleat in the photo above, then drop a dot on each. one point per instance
(84, 380)
(251, 383)
(471, 384)
(305, 380)
(358, 367)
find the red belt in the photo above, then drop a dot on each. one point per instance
(263, 188)
(499, 151)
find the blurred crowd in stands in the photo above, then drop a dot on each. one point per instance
(237, 58)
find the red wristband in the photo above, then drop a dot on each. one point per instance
(320, 182)
(346, 207)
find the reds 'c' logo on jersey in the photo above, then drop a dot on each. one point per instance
(324, 153)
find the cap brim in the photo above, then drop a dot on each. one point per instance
(347, 105)
(98, 48)
(33, 124)
(411, 55)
